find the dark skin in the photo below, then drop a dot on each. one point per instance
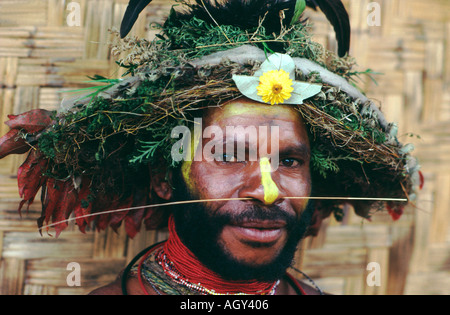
(243, 179)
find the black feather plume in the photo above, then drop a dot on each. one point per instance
(245, 14)
(312, 4)
(134, 8)
(336, 13)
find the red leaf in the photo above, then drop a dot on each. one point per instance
(22, 203)
(133, 222)
(422, 180)
(32, 121)
(79, 210)
(154, 218)
(11, 143)
(30, 177)
(117, 217)
(11, 117)
(134, 218)
(65, 206)
(396, 211)
(52, 196)
(102, 203)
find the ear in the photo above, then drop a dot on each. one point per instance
(321, 212)
(161, 184)
(316, 222)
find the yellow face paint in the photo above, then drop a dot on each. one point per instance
(270, 188)
(186, 170)
(186, 166)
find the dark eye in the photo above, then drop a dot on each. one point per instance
(229, 158)
(289, 162)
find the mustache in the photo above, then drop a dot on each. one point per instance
(256, 213)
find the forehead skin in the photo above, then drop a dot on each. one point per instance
(242, 109)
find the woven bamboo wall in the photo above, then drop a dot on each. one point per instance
(42, 57)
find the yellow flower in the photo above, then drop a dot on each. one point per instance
(275, 86)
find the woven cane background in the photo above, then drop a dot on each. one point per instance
(43, 55)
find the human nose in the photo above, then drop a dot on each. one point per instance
(259, 183)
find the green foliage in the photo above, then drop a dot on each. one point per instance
(200, 38)
(354, 75)
(48, 142)
(196, 38)
(322, 163)
(146, 151)
(97, 88)
(325, 162)
(155, 143)
(131, 68)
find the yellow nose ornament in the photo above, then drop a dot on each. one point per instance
(270, 188)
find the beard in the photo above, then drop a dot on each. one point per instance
(199, 228)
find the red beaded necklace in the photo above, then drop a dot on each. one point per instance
(179, 263)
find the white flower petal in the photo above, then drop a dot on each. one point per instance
(278, 62)
(247, 86)
(303, 91)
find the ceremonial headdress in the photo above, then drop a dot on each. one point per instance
(94, 154)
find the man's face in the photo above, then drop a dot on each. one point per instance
(252, 233)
